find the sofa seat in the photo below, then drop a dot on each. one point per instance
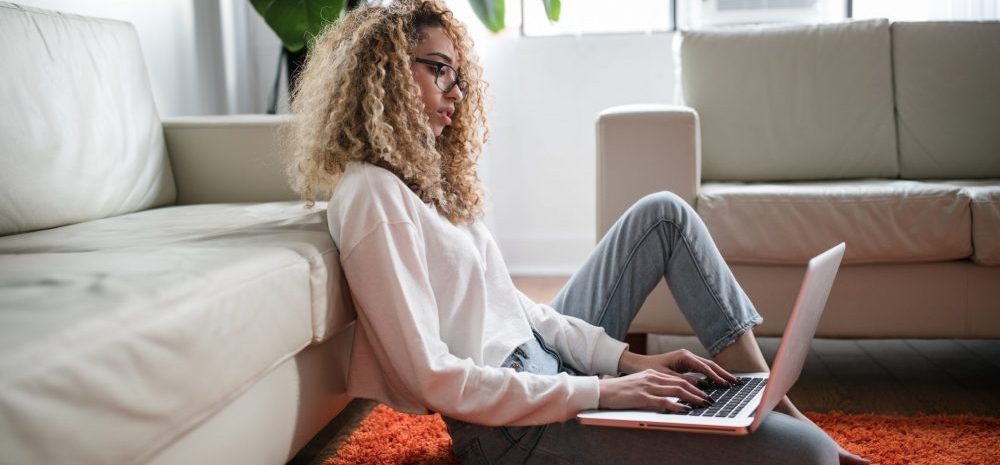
(985, 206)
(882, 221)
(142, 326)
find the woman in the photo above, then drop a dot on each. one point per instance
(391, 122)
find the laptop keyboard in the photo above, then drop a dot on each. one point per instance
(729, 401)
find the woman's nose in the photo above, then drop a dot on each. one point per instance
(455, 94)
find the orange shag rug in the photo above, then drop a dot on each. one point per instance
(388, 437)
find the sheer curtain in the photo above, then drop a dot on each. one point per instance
(250, 52)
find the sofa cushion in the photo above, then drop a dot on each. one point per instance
(882, 221)
(985, 198)
(792, 102)
(985, 222)
(137, 328)
(286, 225)
(81, 135)
(947, 99)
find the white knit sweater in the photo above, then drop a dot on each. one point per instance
(438, 314)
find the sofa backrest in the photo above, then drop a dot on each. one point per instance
(792, 102)
(81, 137)
(947, 81)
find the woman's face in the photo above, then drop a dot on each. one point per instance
(439, 105)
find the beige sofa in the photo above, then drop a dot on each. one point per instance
(163, 299)
(793, 138)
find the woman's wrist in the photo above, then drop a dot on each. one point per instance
(629, 362)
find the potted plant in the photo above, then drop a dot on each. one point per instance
(297, 22)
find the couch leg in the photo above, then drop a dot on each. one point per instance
(636, 342)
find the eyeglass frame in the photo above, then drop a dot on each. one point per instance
(462, 84)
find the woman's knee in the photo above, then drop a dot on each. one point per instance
(661, 205)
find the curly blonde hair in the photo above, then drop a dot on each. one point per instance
(356, 100)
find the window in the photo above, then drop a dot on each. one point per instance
(694, 14)
(598, 17)
(927, 10)
(645, 16)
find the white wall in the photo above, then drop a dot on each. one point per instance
(541, 156)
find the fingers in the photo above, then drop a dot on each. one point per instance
(713, 371)
(670, 405)
(695, 380)
(664, 385)
(721, 371)
(653, 390)
(688, 361)
(848, 458)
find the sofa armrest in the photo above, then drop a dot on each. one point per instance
(643, 149)
(233, 158)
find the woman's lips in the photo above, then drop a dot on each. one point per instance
(444, 117)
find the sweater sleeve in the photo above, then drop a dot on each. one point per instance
(584, 346)
(388, 276)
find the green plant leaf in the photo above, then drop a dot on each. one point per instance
(298, 21)
(490, 12)
(552, 8)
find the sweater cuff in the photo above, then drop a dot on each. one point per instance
(586, 394)
(606, 355)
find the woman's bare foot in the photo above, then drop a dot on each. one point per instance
(846, 457)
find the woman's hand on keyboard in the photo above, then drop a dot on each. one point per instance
(677, 363)
(650, 390)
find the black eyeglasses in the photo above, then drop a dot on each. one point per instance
(445, 77)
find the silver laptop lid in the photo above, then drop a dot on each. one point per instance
(800, 329)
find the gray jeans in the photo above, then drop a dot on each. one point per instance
(658, 237)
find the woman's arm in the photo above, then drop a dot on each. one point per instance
(651, 382)
(388, 277)
(584, 346)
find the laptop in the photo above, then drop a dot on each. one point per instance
(739, 410)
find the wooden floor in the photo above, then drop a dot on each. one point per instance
(904, 376)
(901, 376)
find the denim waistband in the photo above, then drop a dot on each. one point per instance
(534, 356)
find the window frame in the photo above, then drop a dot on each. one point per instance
(670, 30)
(672, 27)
